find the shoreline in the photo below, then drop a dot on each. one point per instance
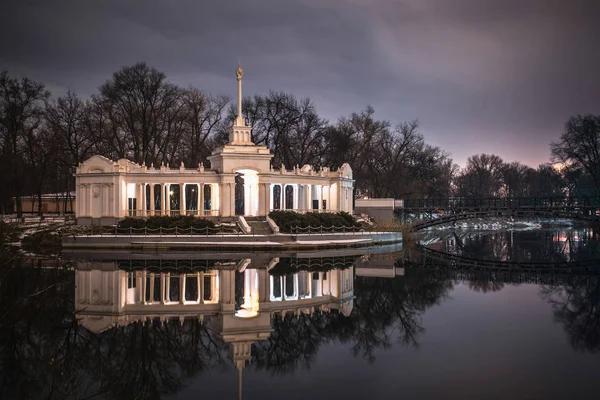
(233, 242)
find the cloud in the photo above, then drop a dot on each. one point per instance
(481, 75)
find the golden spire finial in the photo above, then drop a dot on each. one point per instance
(239, 72)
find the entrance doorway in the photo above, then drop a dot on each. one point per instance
(246, 192)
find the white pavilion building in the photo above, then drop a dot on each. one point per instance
(107, 191)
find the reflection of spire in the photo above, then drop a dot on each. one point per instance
(240, 369)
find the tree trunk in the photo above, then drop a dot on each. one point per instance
(40, 208)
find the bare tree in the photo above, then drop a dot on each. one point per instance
(481, 177)
(21, 106)
(579, 147)
(142, 110)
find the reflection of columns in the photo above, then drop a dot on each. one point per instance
(143, 287)
(152, 199)
(163, 286)
(181, 288)
(182, 206)
(282, 193)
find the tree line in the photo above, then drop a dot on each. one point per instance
(138, 114)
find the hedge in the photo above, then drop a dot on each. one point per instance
(181, 221)
(288, 219)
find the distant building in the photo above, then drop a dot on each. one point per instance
(52, 203)
(240, 181)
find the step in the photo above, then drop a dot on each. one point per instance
(260, 227)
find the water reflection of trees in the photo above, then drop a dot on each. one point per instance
(385, 311)
(576, 306)
(45, 354)
(551, 246)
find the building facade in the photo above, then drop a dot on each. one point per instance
(241, 180)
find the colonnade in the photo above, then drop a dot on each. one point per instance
(144, 287)
(156, 199)
(304, 197)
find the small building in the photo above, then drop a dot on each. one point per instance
(380, 209)
(241, 180)
(52, 203)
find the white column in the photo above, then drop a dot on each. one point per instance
(152, 199)
(167, 199)
(112, 203)
(182, 207)
(105, 199)
(163, 202)
(89, 199)
(138, 199)
(80, 199)
(144, 207)
(296, 196)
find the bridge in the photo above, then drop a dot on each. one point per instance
(449, 210)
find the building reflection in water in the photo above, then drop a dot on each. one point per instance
(235, 299)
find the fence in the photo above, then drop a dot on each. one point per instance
(299, 230)
(500, 202)
(160, 231)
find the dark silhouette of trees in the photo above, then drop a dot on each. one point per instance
(21, 109)
(138, 114)
(578, 149)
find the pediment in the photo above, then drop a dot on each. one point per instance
(96, 164)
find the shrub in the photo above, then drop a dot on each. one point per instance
(181, 222)
(286, 220)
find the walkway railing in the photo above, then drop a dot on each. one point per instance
(458, 203)
(160, 231)
(299, 230)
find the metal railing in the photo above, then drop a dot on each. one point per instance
(305, 210)
(454, 203)
(161, 231)
(309, 230)
(172, 213)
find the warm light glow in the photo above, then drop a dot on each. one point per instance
(243, 313)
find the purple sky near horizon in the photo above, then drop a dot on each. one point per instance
(482, 76)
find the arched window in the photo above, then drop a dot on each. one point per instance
(207, 197)
(277, 197)
(289, 197)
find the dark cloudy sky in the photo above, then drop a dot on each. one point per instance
(494, 76)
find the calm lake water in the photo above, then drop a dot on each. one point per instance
(354, 324)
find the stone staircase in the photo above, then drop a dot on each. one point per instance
(259, 225)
